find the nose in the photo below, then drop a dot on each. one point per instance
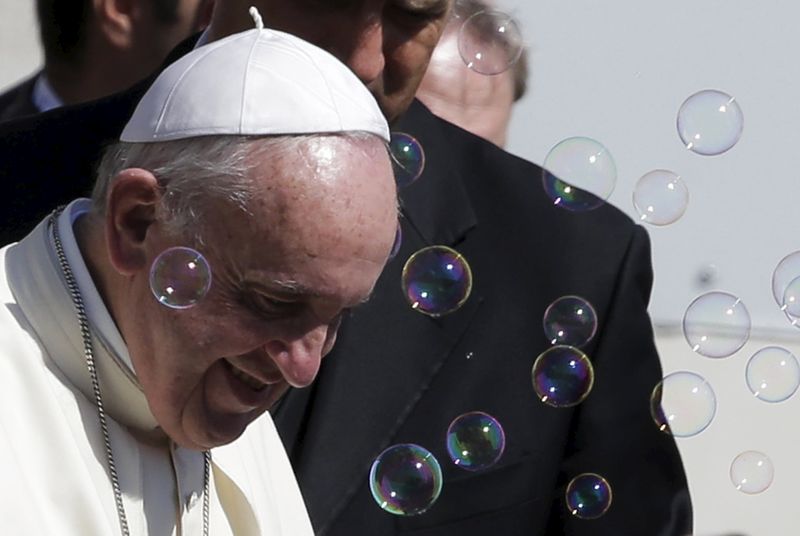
(365, 56)
(299, 358)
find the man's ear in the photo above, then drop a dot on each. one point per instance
(116, 20)
(131, 211)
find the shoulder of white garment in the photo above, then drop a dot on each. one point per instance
(259, 466)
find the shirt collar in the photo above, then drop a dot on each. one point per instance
(44, 96)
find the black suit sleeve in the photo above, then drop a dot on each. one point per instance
(613, 432)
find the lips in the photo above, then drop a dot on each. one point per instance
(251, 381)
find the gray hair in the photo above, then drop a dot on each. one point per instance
(194, 171)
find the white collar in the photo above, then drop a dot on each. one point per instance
(40, 288)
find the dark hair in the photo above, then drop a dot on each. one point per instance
(63, 24)
(463, 9)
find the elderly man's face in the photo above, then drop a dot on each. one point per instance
(321, 226)
(387, 43)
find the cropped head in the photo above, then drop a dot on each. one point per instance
(479, 103)
(386, 43)
(294, 208)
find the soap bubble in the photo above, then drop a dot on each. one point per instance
(579, 174)
(408, 158)
(588, 496)
(562, 376)
(752, 472)
(710, 122)
(570, 320)
(786, 272)
(660, 197)
(437, 280)
(490, 42)
(716, 324)
(398, 242)
(773, 374)
(180, 277)
(683, 404)
(791, 301)
(405, 479)
(475, 441)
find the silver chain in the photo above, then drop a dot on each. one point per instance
(98, 400)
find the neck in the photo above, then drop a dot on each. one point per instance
(90, 237)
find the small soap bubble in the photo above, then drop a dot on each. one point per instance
(716, 324)
(660, 197)
(405, 479)
(710, 122)
(773, 374)
(683, 404)
(398, 242)
(180, 277)
(791, 300)
(588, 496)
(787, 271)
(579, 174)
(490, 42)
(437, 280)
(570, 320)
(562, 376)
(408, 158)
(475, 441)
(752, 472)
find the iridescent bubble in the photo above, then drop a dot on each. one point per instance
(408, 158)
(773, 374)
(716, 324)
(405, 479)
(475, 441)
(752, 472)
(660, 197)
(710, 122)
(490, 42)
(588, 496)
(562, 376)
(787, 270)
(579, 174)
(180, 277)
(437, 280)
(398, 242)
(683, 404)
(570, 320)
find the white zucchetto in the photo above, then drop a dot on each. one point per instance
(259, 82)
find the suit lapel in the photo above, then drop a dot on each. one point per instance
(387, 354)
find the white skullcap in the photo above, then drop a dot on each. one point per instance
(258, 82)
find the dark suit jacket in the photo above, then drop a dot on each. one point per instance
(18, 101)
(398, 376)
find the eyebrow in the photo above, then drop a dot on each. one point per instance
(292, 288)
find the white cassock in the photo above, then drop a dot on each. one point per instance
(55, 478)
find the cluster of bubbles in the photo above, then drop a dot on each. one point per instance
(579, 173)
(717, 325)
(406, 479)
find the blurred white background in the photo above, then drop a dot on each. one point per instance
(618, 72)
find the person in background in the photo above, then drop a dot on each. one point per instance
(93, 48)
(481, 104)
